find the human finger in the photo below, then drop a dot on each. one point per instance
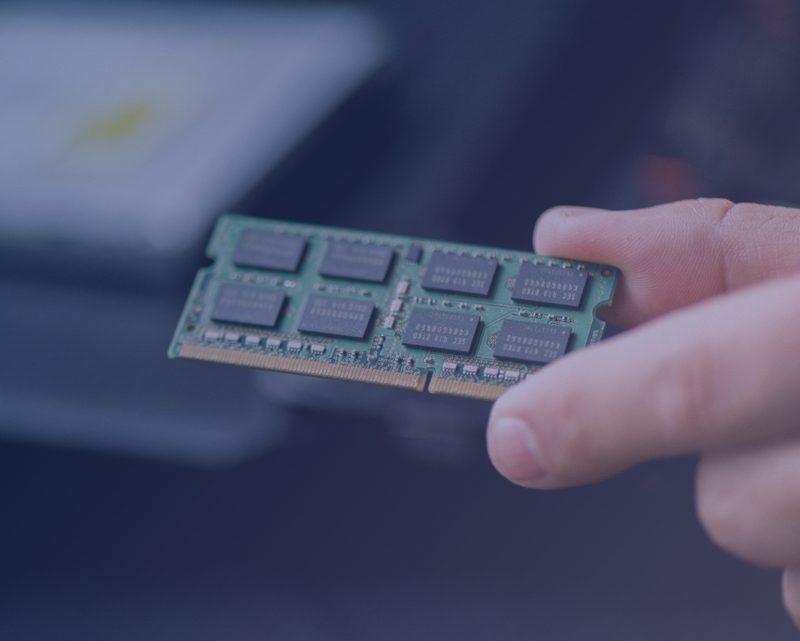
(791, 593)
(748, 501)
(676, 254)
(719, 374)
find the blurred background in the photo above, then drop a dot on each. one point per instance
(142, 498)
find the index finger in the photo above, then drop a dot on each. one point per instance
(721, 374)
(676, 254)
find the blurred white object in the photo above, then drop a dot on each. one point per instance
(126, 128)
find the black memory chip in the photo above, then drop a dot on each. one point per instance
(332, 316)
(459, 274)
(531, 342)
(442, 331)
(360, 261)
(269, 250)
(248, 305)
(550, 285)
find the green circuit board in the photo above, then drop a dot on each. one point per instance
(418, 314)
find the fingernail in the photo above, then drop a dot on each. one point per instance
(570, 211)
(514, 450)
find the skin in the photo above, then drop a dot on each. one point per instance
(711, 366)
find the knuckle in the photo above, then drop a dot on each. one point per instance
(726, 513)
(681, 397)
(716, 209)
(717, 508)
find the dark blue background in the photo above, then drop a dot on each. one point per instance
(358, 526)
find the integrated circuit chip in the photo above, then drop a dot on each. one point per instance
(417, 314)
(548, 285)
(333, 316)
(357, 260)
(441, 331)
(530, 342)
(248, 305)
(414, 253)
(456, 274)
(269, 250)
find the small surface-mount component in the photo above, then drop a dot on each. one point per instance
(448, 272)
(441, 331)
(356, 260)
(454, 319)
(549, 285)
(248, 305)
(269, 250)
(531, 342)
(338, 317)
(414, 253)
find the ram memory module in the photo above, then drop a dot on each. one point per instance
(411, 313)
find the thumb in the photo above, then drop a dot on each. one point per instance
(714, 375)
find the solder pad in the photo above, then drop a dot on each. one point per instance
(407, 312)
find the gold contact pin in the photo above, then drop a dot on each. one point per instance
(469, 389)
(342, 371)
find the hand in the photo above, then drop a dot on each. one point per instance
(713, 368)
